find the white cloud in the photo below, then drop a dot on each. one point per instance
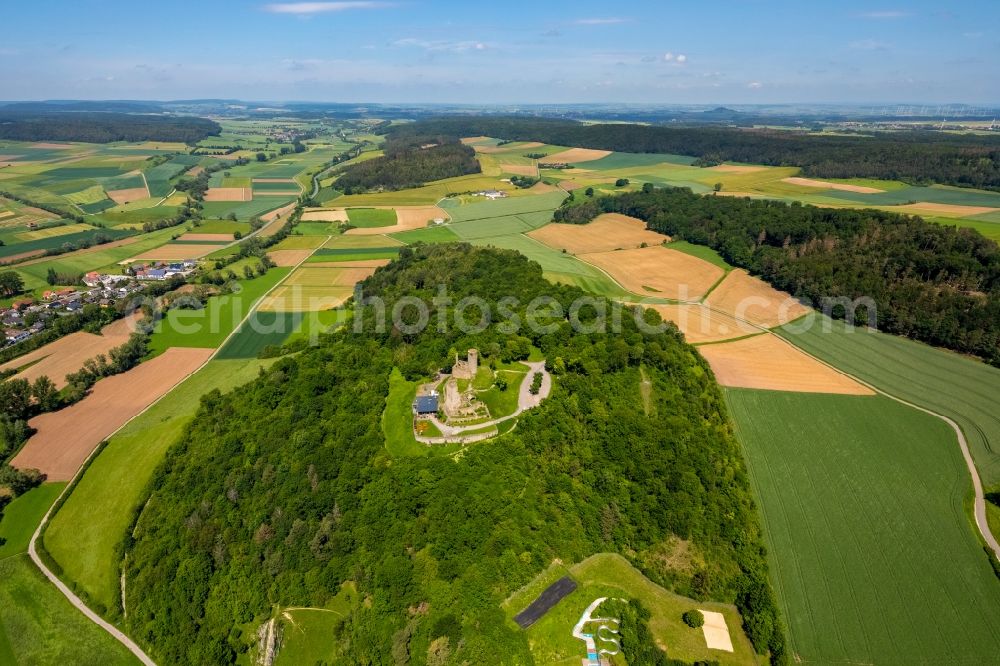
(755, 85)
(307, 8)
(454, 47)
(868, 45)
(682, 58)
(679, 58)
(601, 21)
(668, 56)
(885, 14)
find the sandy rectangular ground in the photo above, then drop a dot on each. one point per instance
(725, 193)
(407, 218)
(845, 187)
(297, 298)
(945, 210)
(334, 277)
(474, 139)
(338, 215)
(700, 323)
(65, 438)
(67, 354)
(716, 632)
(576, 155)
(229, 194)
(355, 242)
(752, 299)
(529, 170)
(194, 171)
(767, 362)
(607, 232)
(276, 214)
(658, 271)
(288, 257)
(358, 263)
(736, 168)
(174, 253)
(206, 237)
(125, 196)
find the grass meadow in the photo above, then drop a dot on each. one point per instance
(872, 553)
(23, 515)
(39, 626)
(960, 388)
(83, 536)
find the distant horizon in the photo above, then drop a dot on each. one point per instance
(548, 53)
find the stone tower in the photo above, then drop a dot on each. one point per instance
(473, 362)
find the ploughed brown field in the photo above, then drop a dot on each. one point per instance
(65, 439)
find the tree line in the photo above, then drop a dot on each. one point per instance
(407, 164)
(930, 282)
(91, 127)
(915, 157)
(282, 491)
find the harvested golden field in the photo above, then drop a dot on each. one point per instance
(845, 187)
(333, 277)
(529, 170)
(944, 210)
(65, 439)
(700, 323)
(129, 195)
(67, 354)
(357, 263)
(206, 237)
(314, 215)
(723, 193)
(736, 168)
(768, 362)
(750, 298)
(298, 298)
(288, 257)
(229, 194)
(474, 139)
(658, 271)
(273, 216)
(576, 155)
(194, 171)
(407, 219)
(175, 252)
(355, 242)
(607, 232)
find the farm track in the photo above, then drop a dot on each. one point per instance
(116, 633)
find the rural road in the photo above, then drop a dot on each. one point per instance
(78, 603)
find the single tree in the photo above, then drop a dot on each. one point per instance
(11, 283)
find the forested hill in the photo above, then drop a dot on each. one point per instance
(18, 124)
(915, 157)
(410, 162)
(934, 283)
(281, 491)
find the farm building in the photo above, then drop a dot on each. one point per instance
(425, 404)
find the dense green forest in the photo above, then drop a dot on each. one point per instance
(92, 127)
(281, 491)
(407, 164)
(934, 283)
(915, 157)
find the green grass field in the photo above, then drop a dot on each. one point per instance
(23, 515)
(260, 330)
(482, 209)
(702, 252)
(39, 626)
(610, 575)
(960, 388)
(309, 634)
(210, 326)
(440, 234)
(397, 419)
(371, 217)
(83, 536)
(872, 551)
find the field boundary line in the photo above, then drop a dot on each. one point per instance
(979, 501)
(111, 629)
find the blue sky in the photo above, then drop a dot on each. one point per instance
(727, 51)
